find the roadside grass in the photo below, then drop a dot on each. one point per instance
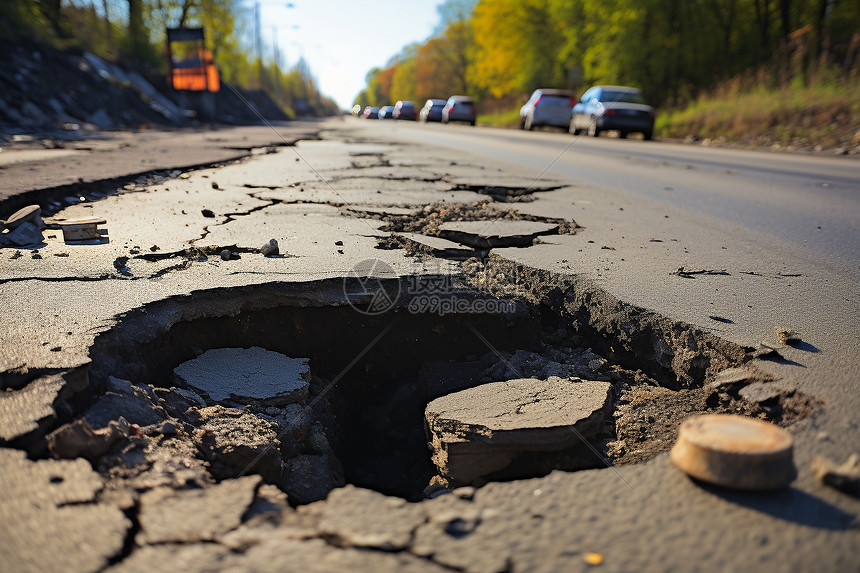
(824, 114)
(509, 118)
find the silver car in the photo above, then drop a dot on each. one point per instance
(547, 107)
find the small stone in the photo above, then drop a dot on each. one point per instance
(845, 477)
(226, 255)
(215, 185)
(787, 336)
(207, 213)
(270, 248)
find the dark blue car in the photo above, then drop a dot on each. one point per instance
(619, 108)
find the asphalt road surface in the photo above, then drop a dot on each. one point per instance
(765, 240)
(807, 204)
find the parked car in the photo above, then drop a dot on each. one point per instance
(405, 110)
(459, 108)
(547, 107)
(386, 112)
(604, 108)
(371, 112)
(432, 110)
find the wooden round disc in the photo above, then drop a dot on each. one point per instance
(735, 451)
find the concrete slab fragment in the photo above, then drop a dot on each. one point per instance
(481, 431)
(49, 521)
(498, 233)
(437, 245)
(195, 514)
(389, 526)
(247, 375)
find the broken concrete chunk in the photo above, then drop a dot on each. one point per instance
(31, 410)
(192, 515)
(269, 249)
(766, 351)
(137, 404)
(759, 392)
(51, 522)
(78, 439)
(437, 246)
(498, 233)
(236, 442)
(29, 214)
(486, 431)
(81, 229)
(346, 521)
(247, 376)
(306, 479)
(845, 477)
(787, 336)
(735, 451)
(25, 234)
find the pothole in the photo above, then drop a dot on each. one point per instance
(370, 377)
(429, 220)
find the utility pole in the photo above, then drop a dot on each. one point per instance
(259, 42)
(276, 69)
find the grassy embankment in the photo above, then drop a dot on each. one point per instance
(823, 115)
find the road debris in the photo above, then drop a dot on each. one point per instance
(270, 249)
(79, 440)
(29, 214)
(481, 432)
(252, 375)
(787, 336)
(23, 235)
(845, 477)
(689, 274)
(735, 451)
(81, 229)
(496, 233)
(236, 442)
(764, 350)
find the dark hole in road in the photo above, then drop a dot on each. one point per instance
(375, 391)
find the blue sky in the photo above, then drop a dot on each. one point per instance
(342, 39)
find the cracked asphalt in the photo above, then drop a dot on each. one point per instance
(328, 198)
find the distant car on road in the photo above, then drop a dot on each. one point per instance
(386, 112)
(371, 112)
(459, 108)
(432, 110)
(547, 107)
(604, 108)
(405, 110)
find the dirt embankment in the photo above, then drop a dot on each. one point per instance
(49, 93)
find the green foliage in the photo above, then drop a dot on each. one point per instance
(673, 50)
